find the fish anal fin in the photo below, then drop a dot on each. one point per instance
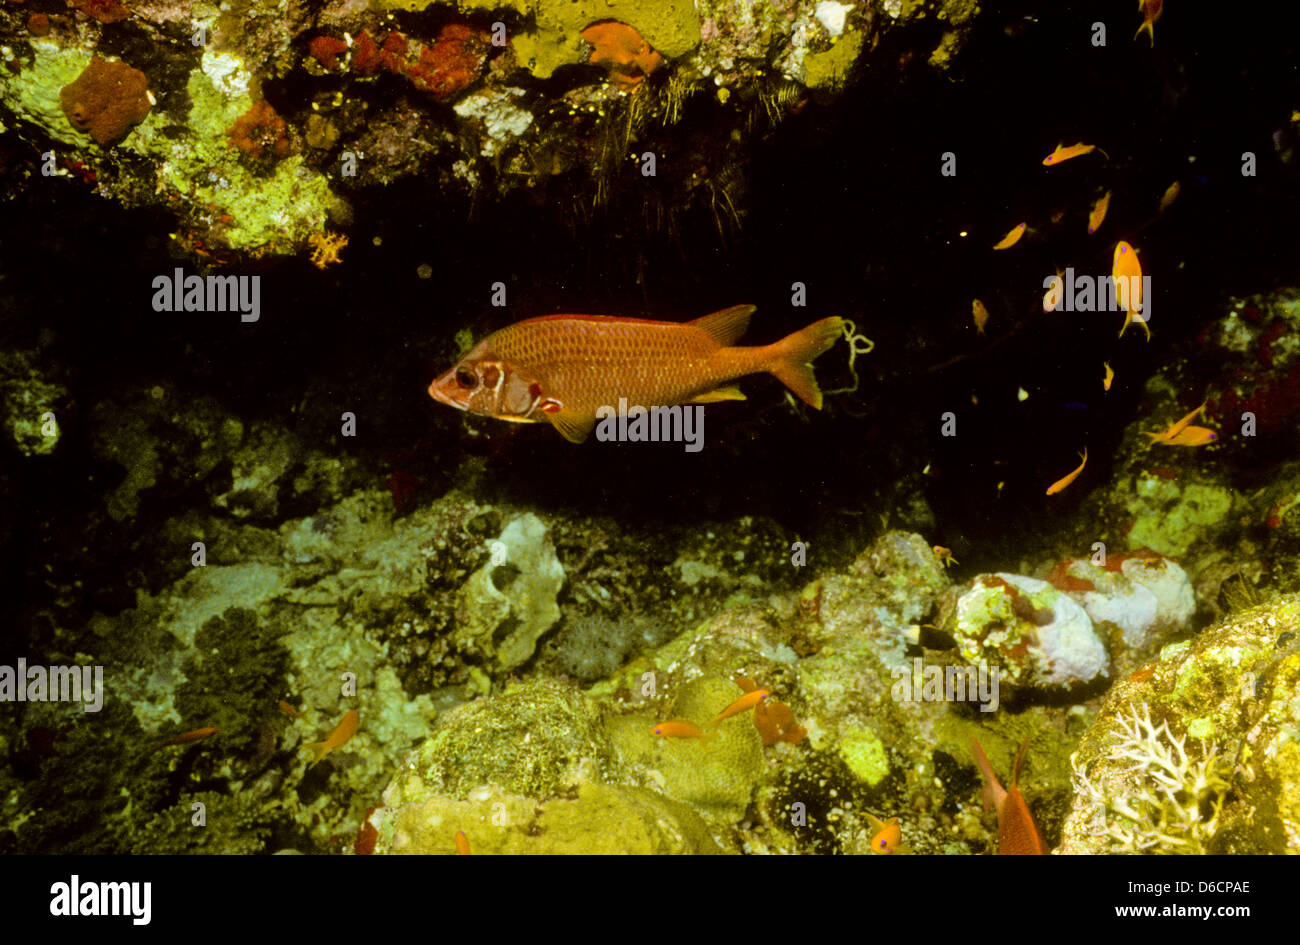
(573, 426)
(718, 394)
(726, 325)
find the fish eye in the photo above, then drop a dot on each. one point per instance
(466, 379)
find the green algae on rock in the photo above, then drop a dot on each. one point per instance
(593, 818)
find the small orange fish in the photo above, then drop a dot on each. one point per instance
(1190, 436)
(889, 836)
(1066, 480)
(747, 701)
(1169, 196)
(1151, 10)
(289, 710)
(1098, 212)
(1127, 273)
(346, 728)
(561, 369)
(462, 844)
(1110, 376)
(1062, 154)
(944, 555)
(1175, 429)
(1012, 237)
(193, 736)
(679, 728)
(1017, 832)
(981, 315)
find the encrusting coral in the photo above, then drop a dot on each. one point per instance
(106, 100)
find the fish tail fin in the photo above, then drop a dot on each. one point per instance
(1149, 28)
(792, 358)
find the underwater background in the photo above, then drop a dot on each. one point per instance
(331, 615)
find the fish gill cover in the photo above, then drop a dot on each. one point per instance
(993, 431)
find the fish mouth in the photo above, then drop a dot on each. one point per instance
(438, 390)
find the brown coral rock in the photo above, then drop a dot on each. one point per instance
(106, 100)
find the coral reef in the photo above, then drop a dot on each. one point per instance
(1197, 751)
(527, 113)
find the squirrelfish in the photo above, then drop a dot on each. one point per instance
(564, 368)
(1067, 479)
(1017, 832)
(1012, 237)
(888, 837)
(747, 701)
(346, 728)
(1127, 273)
(1098, 212)
(1151, 10)
(1063, 154)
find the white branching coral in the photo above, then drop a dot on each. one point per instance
(1166, 802)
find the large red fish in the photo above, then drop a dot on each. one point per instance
(562, 368)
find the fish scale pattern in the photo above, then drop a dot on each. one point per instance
(588, 362)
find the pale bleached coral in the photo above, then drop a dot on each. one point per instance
(1167, 801)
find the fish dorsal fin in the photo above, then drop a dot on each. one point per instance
(573, 426)
(727, 325)
(718, 394)
(1020, 760)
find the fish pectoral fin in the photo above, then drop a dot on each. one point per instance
(573, 426)
(726, 325)
(718, 394)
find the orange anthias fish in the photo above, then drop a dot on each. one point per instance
(1110, 376)
(1098, 212)
(679, 728)
(193, 736)
(1012, 237)
(563, 368)
(1066, 480)
(462, 844)
(747, 701)
(1127, 273)
(889, 836)
(1151, 10)
(346, 728)
(981, 315)
(1063, 154)
(1169, 196)
(1176, 429)
(1017, 832)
